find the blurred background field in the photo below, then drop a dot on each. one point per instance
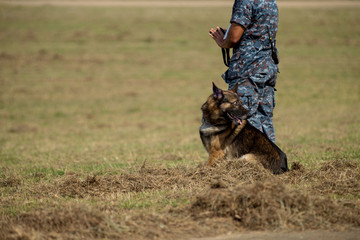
(96, 90)
(93, 89)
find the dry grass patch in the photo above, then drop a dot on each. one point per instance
(60, 222)
(232, 196)
(153, 178)
(273, 205)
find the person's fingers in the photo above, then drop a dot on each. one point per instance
(216, 34)
(211, 32)
(221, 34)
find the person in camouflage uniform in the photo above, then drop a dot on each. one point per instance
(253, 23)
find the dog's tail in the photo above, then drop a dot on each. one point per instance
(283, 162)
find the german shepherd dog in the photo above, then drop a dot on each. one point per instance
(225, 133)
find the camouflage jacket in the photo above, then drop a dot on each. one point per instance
(251, 58)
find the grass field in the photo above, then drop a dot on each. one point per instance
(100, 110)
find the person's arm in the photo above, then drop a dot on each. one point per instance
(232, 39)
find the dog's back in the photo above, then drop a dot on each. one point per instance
(252, 141)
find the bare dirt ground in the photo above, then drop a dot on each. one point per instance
(166, 3)
(308, 235)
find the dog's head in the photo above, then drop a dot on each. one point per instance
(223, 107)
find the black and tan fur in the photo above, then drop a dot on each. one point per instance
(225, 133)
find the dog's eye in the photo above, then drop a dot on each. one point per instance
(236, 103)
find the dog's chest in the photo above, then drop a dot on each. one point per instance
(207, 129)
(220, 137)
(229, 151)
(209, 135)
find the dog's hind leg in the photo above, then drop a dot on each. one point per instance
(249, 157)
(273, 164)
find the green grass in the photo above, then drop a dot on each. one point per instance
(100, 90)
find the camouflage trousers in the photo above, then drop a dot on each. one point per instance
(260, 101)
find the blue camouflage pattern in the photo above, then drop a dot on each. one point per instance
(251, 64)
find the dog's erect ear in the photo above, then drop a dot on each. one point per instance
(218, 93)
(235, 88)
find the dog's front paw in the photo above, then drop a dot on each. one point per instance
(215, 156)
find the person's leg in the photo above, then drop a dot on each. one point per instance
(250, 100)
(265, 111)
(260, 103)
(248, 96)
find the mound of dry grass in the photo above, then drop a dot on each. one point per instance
(273, 205)
(81, 222)
(153, 177)
(338, 177)
(333, 177)
(65, 222)
(232, 196)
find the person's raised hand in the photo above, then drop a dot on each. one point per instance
(217, 35)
